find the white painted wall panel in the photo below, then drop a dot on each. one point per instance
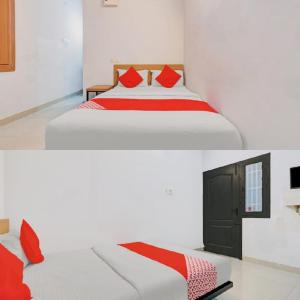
(135, 32)
(244, 57)
(75, 199)
(48, 55)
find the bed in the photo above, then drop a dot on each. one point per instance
(112, 273)
(132, 271)
(92, 129)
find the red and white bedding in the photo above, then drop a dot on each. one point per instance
(143, 118)
(147, 104)
(200, 274)
(135, 271)
(165, 272)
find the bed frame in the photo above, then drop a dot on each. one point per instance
(217, 291)
(178, 67)
(4, 228)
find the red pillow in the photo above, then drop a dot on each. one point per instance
(131, 78)
(11, 277)
(168, 77)
(30, 244)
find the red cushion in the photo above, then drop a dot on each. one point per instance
(131, 78)
(20, 292)
(11, 277)
(168, 77)
(30, 244)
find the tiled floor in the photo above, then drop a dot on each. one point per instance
(28, 132)
(257, 282)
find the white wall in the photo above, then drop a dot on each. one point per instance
(276, 239)
(244, 57)
(46, 67)
(75, 199)
(1, 184)
(137, 31)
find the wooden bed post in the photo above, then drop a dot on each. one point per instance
(4, 226)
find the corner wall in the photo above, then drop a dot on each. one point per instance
(276, 239)
(243, 56)
(135, 32)
(48, 55)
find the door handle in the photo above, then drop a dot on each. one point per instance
(236, 211)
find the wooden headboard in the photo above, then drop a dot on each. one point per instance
(4, 226)
(143, 67)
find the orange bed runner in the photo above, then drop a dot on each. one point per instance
(171, 259)
(148, 104)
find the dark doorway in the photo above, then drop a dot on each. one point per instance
(221, 211)
(230, 193)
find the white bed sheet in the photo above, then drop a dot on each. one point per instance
(76, 275)
(111, 272)
(151, 279)
(150, 92)
(104, 129)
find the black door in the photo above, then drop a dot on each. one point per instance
(221, 211)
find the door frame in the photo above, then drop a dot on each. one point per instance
(239, 217)
(239, 169)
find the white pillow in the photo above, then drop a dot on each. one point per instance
(156, 73)
(13, 244)
(143, 73)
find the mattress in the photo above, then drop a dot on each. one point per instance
(90, 129)
(111, 272)
(76, 275)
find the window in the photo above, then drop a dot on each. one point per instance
(7, 35)
(253, 187)
(255, 177)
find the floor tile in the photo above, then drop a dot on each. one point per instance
(257, 282)
(29, 132)
(295, 294)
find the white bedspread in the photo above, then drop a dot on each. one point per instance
(111, 272)
(78, 275)
(152, 280)
(108, 129)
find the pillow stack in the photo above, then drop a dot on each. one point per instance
(15, 255)
(11, 277)
(167, 78)
(131, 78)
(30, 244)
